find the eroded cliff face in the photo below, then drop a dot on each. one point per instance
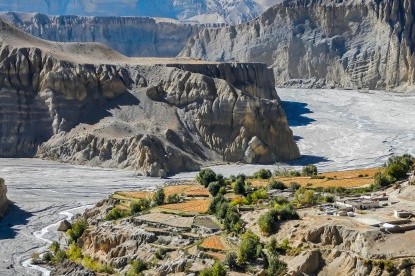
(86, 104)
(322, 43)
(132, 36)
(3, 198)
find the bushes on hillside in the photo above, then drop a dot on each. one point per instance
(206, 176)
(269, 221)
(216, 270)
(276, 185)
(159, 197)
(250, 248)
(173, 198)
(396, 168)
(263, 174)
(139, 205)
(116, 213)
(78, 228)
(228, 214)
(239, 186)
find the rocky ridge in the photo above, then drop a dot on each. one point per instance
(3, 198)
(87, 104)
(131, 36)
(322, 43)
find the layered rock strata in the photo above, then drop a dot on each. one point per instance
(87, 104)
(3, 198)
(132, 36)
(323, 43)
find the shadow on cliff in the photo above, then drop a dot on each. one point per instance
(92, 113)
(295, 112)
(15, 216)
(305, 160)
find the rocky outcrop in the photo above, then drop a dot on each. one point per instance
(86, 104)
(321, 43)
(3, 198)
(68, 267)
(131, 36)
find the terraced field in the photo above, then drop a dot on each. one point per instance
(346, 179)
(214, 243)
(190, 190)
(198, 206)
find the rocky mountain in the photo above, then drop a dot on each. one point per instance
(323, 43)
(87, 104)
(132, 36)
(198, 11)
(3, 198)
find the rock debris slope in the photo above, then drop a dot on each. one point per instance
(131, 36)
(87, 104)
(3, 198)
(323, 43)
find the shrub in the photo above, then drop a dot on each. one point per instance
(216, 270)
(263, 174)
(137, 267)
(398, 166)
(59, 257)
(241, 176)
(286, 212)
(233, 220)
(231, 260)
(139, 205)
(309, 170)
(78, 228)
(239, 187)
(275, 266)
(214, 188)
(47, 257)
(173, 198)
(159, 197)
(329, 199)
(305, 197)
(54, 247)
(268, 222)
(295, 186)
(160, 253)
(279, 185)
(222, 190)
(272, 246)
(249, 248)
(216, 202)
(255, 196)
(280, 200)
(206, 176)
(74, 253)
(115, 214)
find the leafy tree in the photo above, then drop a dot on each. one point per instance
(286, 212)
(214, 188)
(248, 249)
(272, 246)
(397, 167)
(276, 185)
(310, 170)
(159, 197)
(231, 260)
(268, 222)
(239, 187)
(78, 228)
(206, 176)
(139, 205)
(263, 174)
(381, 180)
(215, 203)
(305, 197)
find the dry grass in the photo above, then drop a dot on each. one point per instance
(190, 190)
(346, 179)
(214, 243)
(199, 206)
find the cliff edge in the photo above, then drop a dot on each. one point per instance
(322, 43)
(84, 103)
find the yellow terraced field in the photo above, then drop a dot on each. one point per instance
(187, 190)
(346, 179)
(214, 242)
(133, 195)
(192, 206)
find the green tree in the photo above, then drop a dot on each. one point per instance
(206, 176)
(216, 270)
(173, 198)
(239, 187)
(275, 266)
(139, 205)
(231, 260)
(263, 174)
(268, 222)
(310, 170)
(249, 247)
(214, 188)
(137, 267)
(159, 197)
